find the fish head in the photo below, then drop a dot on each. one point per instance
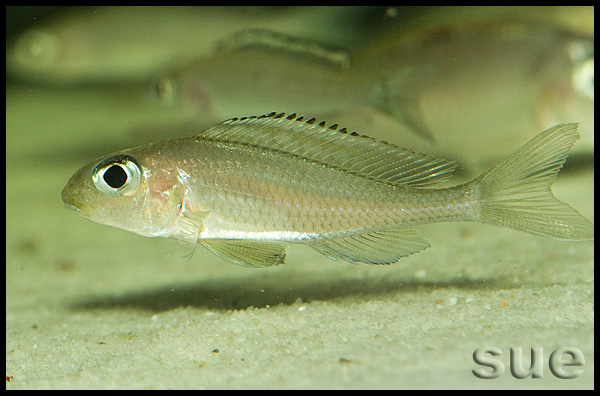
(127, 190)
(192, 93)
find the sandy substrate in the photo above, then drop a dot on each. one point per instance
(88, 306)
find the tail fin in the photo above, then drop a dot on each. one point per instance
(516, 192)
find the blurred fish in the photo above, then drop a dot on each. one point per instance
(255, 70)
(493, 80)
(575, 20)
(116, 44)
(246, 187)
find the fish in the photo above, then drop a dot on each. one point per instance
(108, 45)
(505, 77)
(253, 70)
(248, 186)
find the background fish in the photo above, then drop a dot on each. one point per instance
(248, 186)
(83, 45)
(492, 82)
(253, 71)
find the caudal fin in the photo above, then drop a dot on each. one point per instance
(516, 192)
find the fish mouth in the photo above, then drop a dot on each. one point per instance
(72, 207)
(70, 202)
(67, 197)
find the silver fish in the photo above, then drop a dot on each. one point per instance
(247, 186)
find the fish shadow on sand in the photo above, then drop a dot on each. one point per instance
(241, 294)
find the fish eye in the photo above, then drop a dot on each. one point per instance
(581, 53)
(117, 176)
(165, 88)
(583, 79)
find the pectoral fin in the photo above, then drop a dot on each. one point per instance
(376, 247)
(189, 225)
(255, 254)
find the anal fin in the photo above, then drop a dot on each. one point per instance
(249, 253)
(376, 247)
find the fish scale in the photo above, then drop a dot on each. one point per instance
(330, 199)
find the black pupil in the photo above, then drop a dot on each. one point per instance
(115, 176)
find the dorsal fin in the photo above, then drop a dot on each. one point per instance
(264, 38)
(333, 147)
